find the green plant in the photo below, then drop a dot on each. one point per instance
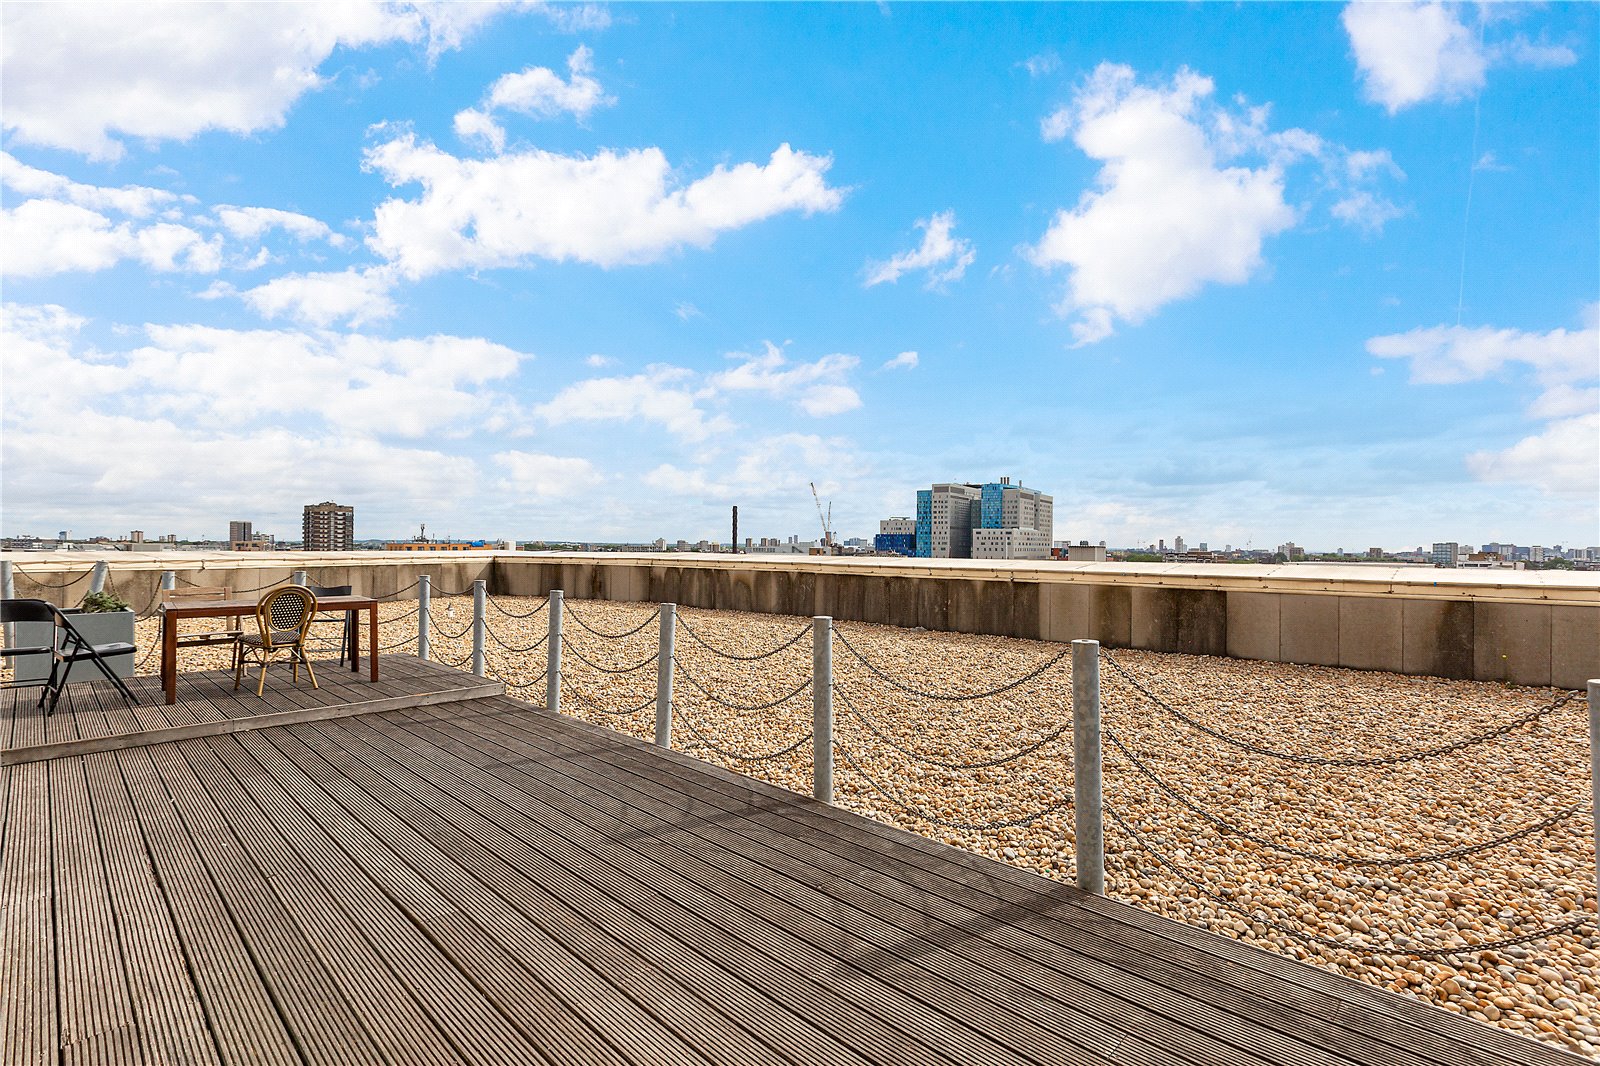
(103, 602)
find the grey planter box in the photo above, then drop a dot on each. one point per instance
(105, 627)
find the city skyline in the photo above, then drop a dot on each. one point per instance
(1189, 267)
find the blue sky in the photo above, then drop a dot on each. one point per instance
(600, 272)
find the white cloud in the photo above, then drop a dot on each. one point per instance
(1168, 216)
(534, 474)
(355, 297)
(1408, 53)
(1366, 210)
(1043, 63)
(137, 201)
(776, 468)
(43, 237)
(903, 361)
(598, 360)
(1443, 355)
(251, 223)
(608, 209)
(227, 420)
(1563, 457)
(817, 387)
(541, 92)
(686, 310)
(477, 127)
(82, 76)
(662, 394)
(575, 18)
(945, 258)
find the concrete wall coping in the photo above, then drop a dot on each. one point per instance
(1557, 587)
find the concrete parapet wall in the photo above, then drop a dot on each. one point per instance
(1527, 628)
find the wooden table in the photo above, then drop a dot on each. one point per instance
(173, 613)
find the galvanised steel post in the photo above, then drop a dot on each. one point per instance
(1594, 769)
(169, 580)
(298, 578)
(424, 595)
(480, 594)
(665, 659)
(552, 679)
(97, 583)
(822, 708)
(1087, 800)
(8, 591)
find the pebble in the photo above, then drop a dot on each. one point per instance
(1548, 990)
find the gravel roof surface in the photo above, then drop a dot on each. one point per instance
(1211, 877)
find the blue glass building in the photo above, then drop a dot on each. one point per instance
(924, 545)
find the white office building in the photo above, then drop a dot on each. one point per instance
(1010, 544)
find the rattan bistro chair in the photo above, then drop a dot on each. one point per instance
(283, 618)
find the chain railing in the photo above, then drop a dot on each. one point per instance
(929, 760)
(51, 585)
(722, 653)
(578, 618)
(944, 697)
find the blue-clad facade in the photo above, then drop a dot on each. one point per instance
(898, 543)
(924, 544)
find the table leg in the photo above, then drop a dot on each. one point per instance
(352, 641)
(372, 639)
(169, 658)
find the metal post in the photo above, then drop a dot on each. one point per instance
(424, 595)
(1594, 769)
(480, 597)
(298, 578)
(552, 677)
(8, 591)
(169, 580)
(822, 708)
(666, 658)
(97, 583)
(479, 625)
(1087, 815)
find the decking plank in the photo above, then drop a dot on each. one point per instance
(886, 1004)
(853, 874)
(171, 1022)
(245, 1022)
(781, 891)
(29, 1021)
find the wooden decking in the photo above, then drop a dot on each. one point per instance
(483, 882)
(93, 717)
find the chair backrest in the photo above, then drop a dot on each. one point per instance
(195, 594)
(329, 590)
(26, 611)
(286, 609)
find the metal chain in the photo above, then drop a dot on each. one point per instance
(445, 633)
(930, 760)
(764, 757)
(576, 617)
(402, 642)
(1007, 687)
(1317, 760)
(512, 685)
(259, 588)
(919, 812)
(489, 629)
(714, 650)
(456, 664)
(1542, 933)
(48, 585)
(446, 592)
(801, 687)
(599, 709)
(513, 614)
(1341, 860)
(567, 645)
(397, 593)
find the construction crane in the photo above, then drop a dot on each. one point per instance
(825, 519)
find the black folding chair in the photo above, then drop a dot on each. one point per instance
(347, 648)
(13, 611)
(75, 648)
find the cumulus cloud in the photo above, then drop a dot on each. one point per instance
(662, 394)
(44, 237)
(943, 257)
(779, 467)
(354, 297)
(1169, 215)
(903, 361)
(135, 201)
(1564, 457)
(82, 76)
(575, 18)
(251, 223)
(1408, 53)
(538, 92)
(817, 388)
(536, 474)
(608, 209)
(208, 416)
